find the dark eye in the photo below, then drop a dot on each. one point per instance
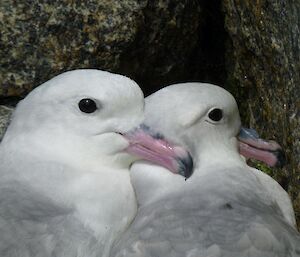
(87, 105)
(215, 114)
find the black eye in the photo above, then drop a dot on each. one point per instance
(87, 105)
(215, 114)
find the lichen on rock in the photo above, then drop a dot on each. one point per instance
(263, 47)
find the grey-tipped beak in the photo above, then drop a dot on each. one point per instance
(252, 146)
(281, 158)
(186, 166)
(152, 146)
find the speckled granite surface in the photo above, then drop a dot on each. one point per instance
(264, 72)
(5, 113)
(42, 38)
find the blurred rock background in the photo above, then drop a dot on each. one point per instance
(252, 48)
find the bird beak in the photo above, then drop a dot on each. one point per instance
(151, 146)
(252, 146)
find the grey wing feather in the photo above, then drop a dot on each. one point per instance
(32, 225)
(173, 229)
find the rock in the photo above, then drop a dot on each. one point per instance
(44, 38)
(164, 43)
(264, 54)
(146, 40)
(5, 114)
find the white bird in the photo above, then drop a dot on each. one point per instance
(64, 165)
(223, 209)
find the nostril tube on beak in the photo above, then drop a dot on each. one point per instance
(252, 146)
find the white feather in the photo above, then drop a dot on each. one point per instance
(223, 209)
(64, 179)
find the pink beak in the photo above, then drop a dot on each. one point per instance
(252, 146)
(152, 147)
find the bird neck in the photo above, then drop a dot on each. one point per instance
(99, 196)
(107, 205)
(218, 152)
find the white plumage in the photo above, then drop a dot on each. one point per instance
(223, 209)
(64, 171)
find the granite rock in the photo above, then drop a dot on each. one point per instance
(146, 40)
(5, 114)
(263, 54)
(42, 38)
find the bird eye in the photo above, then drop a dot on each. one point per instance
(87, 105)
(215, 114)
